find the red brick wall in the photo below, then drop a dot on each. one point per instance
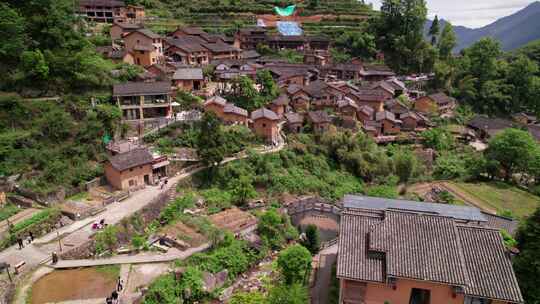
(266, 128)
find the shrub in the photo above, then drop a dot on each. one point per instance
(294, 264)
(106, 239)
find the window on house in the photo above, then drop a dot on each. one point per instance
(132, 182)
(131, 169)
(419, 296)
(472, 300)
(264, 125)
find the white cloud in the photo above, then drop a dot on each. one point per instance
(471, 13)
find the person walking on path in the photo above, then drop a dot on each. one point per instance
(114, 296)
(20, 242)
(31, 235)
(108, 300)
(54, 257)
(119, 285)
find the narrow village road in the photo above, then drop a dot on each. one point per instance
(320, 290)
(79, 232)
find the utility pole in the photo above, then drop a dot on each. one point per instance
(59, 243)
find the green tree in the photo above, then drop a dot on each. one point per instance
(526, 263)
(210, 145)
(269, 88)
(438, 139)
(244, 94)
(294, 264)
(400, 34)
(270, 228)
(521, 76)
(288, 294)
(12, 26)
(405, 165)
(34, 65)
(106, 239)
(513, 149)
(434, 30)
(447, 42)
(313, 239)
(357, 44)
(242, 189)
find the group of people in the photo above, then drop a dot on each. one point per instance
(100, 225)
(29, 239)
(114, 298)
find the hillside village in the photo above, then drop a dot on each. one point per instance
(257, 166)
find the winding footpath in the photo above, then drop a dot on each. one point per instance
(79, 232)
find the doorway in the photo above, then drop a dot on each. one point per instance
(147, 179)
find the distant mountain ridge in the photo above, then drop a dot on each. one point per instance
(512, 31)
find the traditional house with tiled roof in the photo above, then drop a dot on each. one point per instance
(299, 98)
(372, 128)
(143, 100)
(187, 50)
(365, 113)
(402, 252)
(319, 120)
(374, 72)
(279, 105)
(372, 98)
(235, 115)
(435, 103)
(188, 78)
(409, 120)
(486, 127)
(347, 108)
(215, 104)
(265, 124)
(145, 46)
(120, 29)
(130, 169)
(390, 125)
(395, 106)
(294, 122)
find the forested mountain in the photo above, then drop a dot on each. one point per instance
(512, 31)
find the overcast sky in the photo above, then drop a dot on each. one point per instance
(470, 13)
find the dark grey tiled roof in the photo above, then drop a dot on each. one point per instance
(188, 44)
(264, 113)
(319, 117)
(489, 266)
(250, 54)
(376, 203)
(419, 246)
(386, 115)
(113, 3)
(368, 95)
(489, 124)
(441, 98)
(346, 101)
(188, 74)
(375, 245)
(141, 88)
(353, 262)
(217, 100)
(316, 88)
(231, 108)
(500, 222)
(366, 110)
(148, 33)
(282, 100)
(293, 117)
(130, 159)
(220, 47)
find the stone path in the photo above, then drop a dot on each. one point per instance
(173, 254)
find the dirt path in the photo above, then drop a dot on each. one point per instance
(19, 217)
(467, 198)
(320, 290)
(422, 188)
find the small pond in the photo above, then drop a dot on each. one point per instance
(75, 284)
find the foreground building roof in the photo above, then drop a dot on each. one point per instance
(133, 158)
(141, 88)
(401, 240)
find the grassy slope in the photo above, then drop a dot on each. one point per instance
(500, 196)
